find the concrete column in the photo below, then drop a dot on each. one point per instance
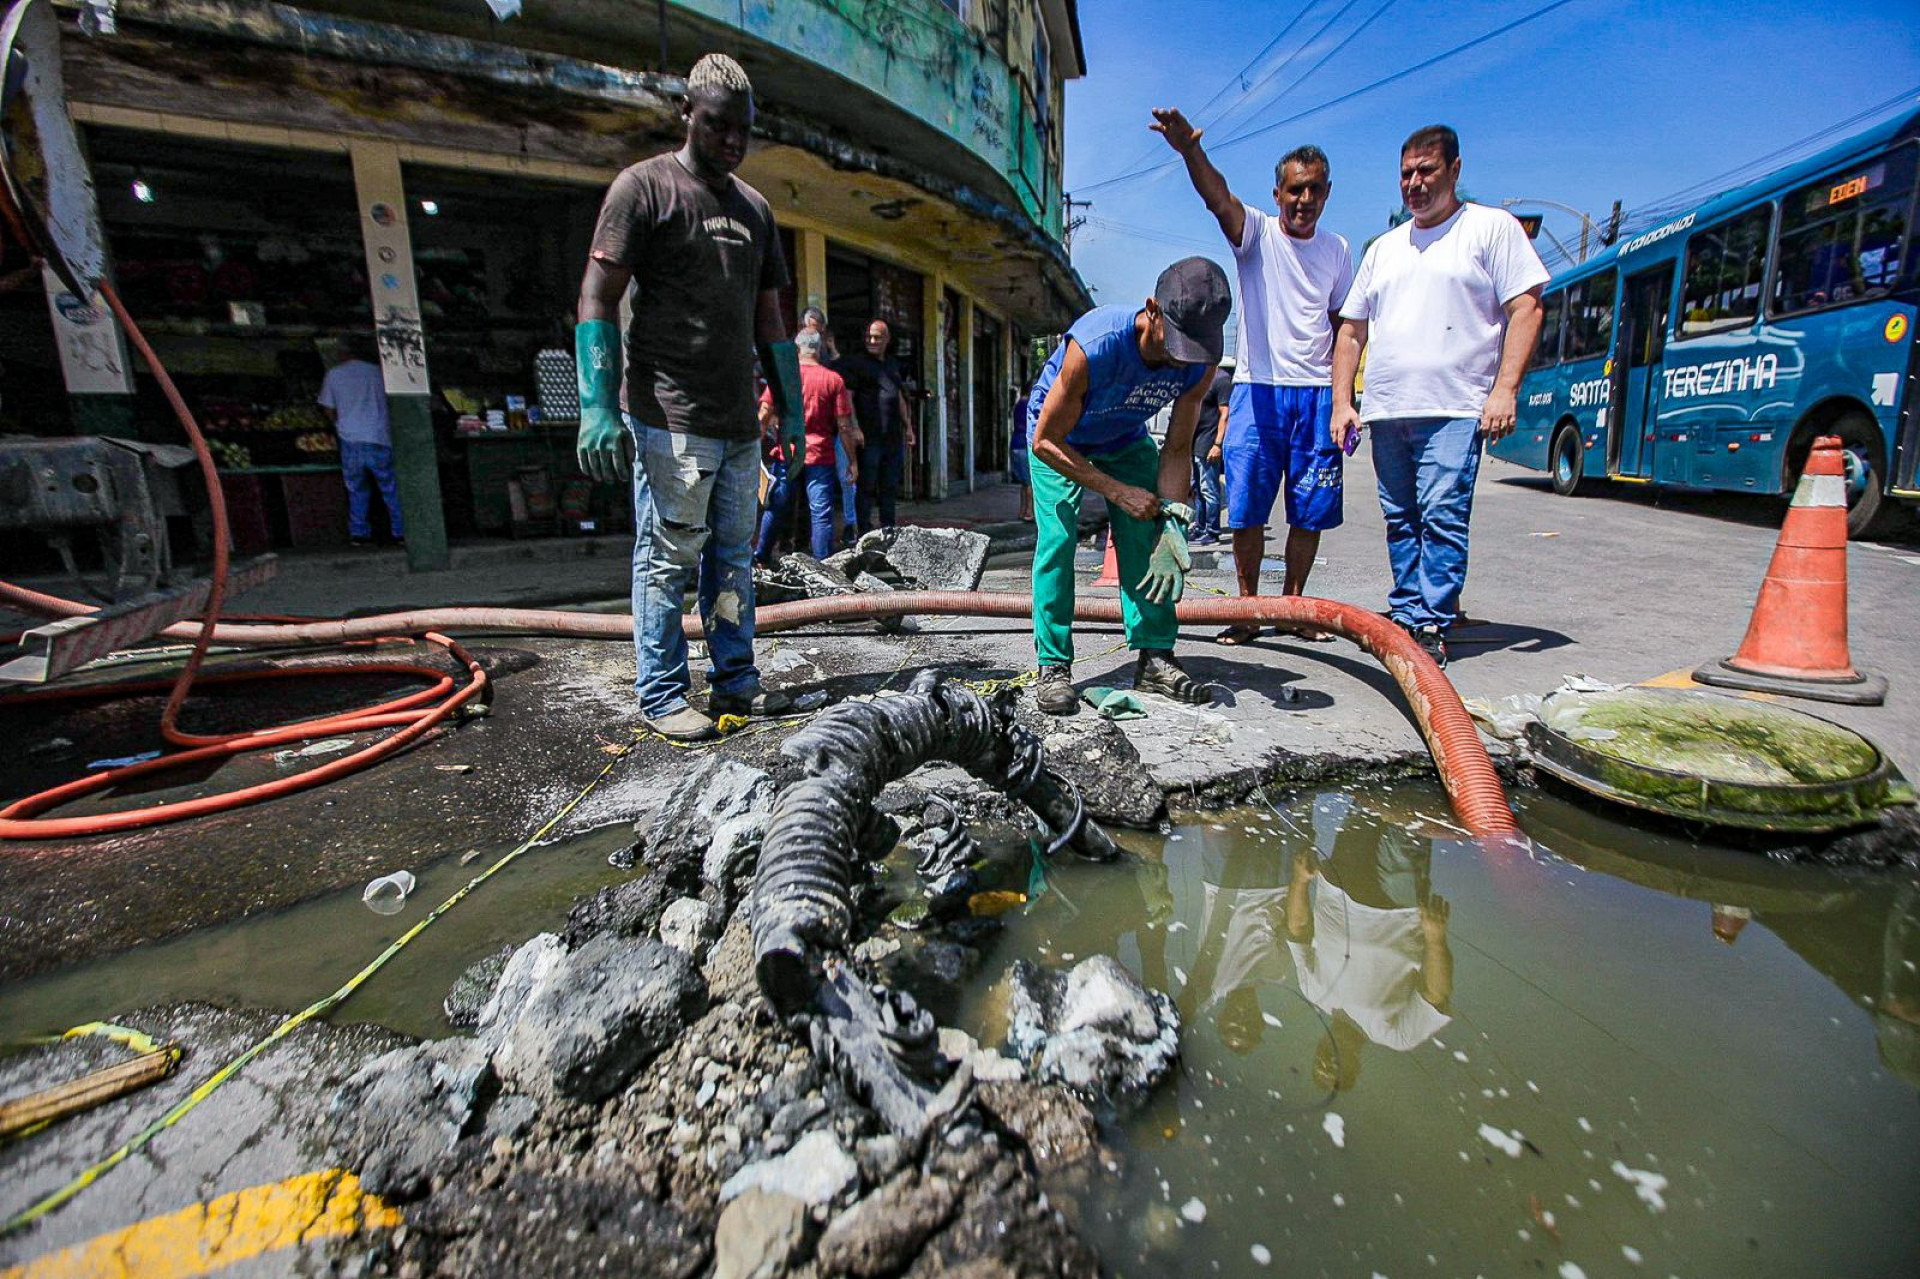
(810, 272)
(967, 419)
(382, 198)
(933, 423)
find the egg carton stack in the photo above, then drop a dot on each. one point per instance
(557, 379)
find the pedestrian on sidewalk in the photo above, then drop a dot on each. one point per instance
(1446, 308)
(1207, 433)
(1087, 420)
(829, 423)
(886, 425)
(702, 248)
(354, 395)
(1293, 278)
(1018, 467)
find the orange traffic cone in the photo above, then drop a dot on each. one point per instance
(1797, 641)
(1110, 567)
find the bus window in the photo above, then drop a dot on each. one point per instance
(1546, 351)
(1726, 265)
(1841, 238)
(1589, 318)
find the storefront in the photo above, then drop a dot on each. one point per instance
(251, 265)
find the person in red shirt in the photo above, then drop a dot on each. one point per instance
(829, 416)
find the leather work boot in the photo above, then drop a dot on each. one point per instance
(1158, 672)
(683, 725)
(758, 704)
(1056, 693)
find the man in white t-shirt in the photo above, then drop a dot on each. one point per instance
(1293, 278)
(1448, 306)
(354, 395)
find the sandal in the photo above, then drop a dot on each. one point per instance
(1234, 636)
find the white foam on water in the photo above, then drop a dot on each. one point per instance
(1648, 1185)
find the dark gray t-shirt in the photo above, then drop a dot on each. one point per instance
(700, 257)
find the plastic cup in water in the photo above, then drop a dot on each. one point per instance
(387, 895)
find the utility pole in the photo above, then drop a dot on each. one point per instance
(1068, 222)
(1586, 221)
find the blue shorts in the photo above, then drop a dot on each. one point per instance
(1282, 436)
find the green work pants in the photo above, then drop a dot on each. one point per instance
(1056, 514)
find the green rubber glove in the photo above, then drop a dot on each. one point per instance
(783, 380)
(602, 446)
(1166, 579)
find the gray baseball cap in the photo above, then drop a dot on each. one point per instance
(1195, 300)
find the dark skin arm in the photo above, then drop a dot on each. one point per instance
(605, 283)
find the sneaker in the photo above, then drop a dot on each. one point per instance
(683, 725)
(1434, 641)
(1158, 672)
(758, 705)
(1056, 693)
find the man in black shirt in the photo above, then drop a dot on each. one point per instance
(701, 250)
(880, 406)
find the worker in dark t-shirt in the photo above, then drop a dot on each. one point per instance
(702, 252)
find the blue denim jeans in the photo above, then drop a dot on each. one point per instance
(849, 496)
(1426, 467)
(823, 494)
(1206, 496)
(695, 504)
(777, 515)
(357, 462)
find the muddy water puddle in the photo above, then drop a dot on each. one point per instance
(288, 958)
(1403, 1055)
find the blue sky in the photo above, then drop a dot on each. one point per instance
(1596, 101)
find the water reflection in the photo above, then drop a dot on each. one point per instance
(1405, 1055)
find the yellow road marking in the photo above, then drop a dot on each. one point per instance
(222, 1232)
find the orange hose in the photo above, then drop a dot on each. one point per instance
(1471, 782)
(413, 714)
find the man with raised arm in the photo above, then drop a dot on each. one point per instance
(1448, 307)
(1087, 420)
(700, 249)
(1293, 278)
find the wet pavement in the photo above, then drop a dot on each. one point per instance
(1603, 1022)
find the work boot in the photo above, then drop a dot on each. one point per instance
(683, 725)
(1158, 672)
(1434, 641)
(1056, 694)
(759, 704)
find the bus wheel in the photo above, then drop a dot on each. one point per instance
(1870, 512)
(1567, 460)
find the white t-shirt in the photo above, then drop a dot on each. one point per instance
(1288, 290)
(1432, 298)
(1365, 961)
(357, 393)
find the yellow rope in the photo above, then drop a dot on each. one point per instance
(319, 1008)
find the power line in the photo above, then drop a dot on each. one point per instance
(1239, 77)
(1677, 200)
(1344, 98)
(1269, 77)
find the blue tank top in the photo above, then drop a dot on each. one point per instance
(1122, 392)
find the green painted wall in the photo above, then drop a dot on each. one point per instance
(924, 59)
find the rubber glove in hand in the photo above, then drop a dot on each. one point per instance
(602, 445)
(1166, 579)
(783, 381)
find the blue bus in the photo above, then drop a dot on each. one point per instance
(1710, 350)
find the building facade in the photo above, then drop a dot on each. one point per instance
(273, 177)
